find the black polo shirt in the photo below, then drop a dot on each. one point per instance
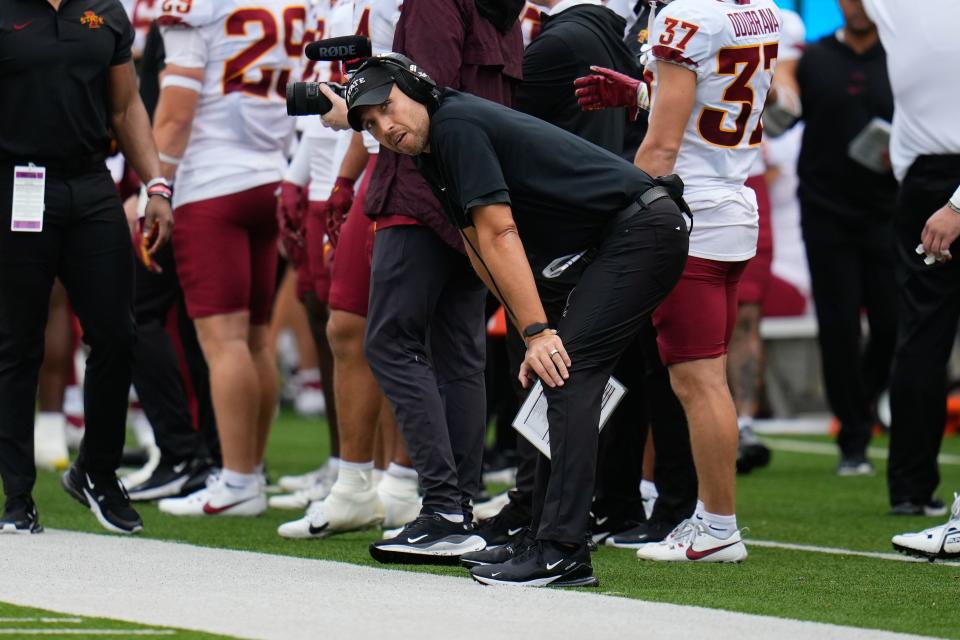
(563, 190)
(54, 70)
(841, 92)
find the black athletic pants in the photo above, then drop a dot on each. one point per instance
(86, 243)
(426, 345)
(156, 371)
(636, 265)
(852, 268)
(929, 298)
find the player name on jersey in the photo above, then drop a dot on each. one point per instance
(754, 23)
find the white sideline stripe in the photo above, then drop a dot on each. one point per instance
(87, 632)
(44, 620)
(837, 551)
(255, 595)
(828, 449)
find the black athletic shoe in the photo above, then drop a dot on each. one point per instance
(507, 526)
(20, 516)
(751, 452)
(643, 533)
(932, 508)
(498, 554)
(602, 527)
(105, 497)
(168, 480)
(539, 565)
(430, 539)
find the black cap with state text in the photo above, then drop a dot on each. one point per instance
(368, 87)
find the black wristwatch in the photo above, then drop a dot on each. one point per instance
(533, 329)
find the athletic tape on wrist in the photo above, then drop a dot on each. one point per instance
(955, 200)
(168, 159)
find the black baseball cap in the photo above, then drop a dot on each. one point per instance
(368, 87)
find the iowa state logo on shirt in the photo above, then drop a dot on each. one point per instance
(92, 20)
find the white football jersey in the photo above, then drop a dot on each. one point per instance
(732, 48)
(248, 52)
(530, 22)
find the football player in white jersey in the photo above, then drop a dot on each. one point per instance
(711, 64)
(222, 130)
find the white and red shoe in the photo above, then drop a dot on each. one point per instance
(941, 542)
(691, 541)
(218, 499)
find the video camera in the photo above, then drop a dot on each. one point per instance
(305, 98)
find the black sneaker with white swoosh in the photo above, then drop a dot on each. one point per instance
(105, 497)
(430, 539)
(541, 565)
(507, 526)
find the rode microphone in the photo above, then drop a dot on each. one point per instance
(342, 48)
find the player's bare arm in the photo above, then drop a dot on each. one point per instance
(676, 94)
(176, 108)
(495, 237)
(132, 126)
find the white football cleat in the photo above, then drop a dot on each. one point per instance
(936, 542)
(308, 479)
(690, 541)
(50, 441)
(343, 510)
(301, 499)
(400, 498)
(218, 499)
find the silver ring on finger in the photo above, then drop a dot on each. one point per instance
(554, 352)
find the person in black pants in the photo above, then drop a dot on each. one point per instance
(846, 215)
(69, 74)
(186, 453)
(571, 40)
(497, 172)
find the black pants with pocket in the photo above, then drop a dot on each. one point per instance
(156, 372)
(85, 242)
(426, 345)
(636, 265)
(929, 298)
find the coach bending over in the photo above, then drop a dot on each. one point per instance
(519, 189)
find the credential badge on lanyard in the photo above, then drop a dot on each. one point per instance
(27, 208)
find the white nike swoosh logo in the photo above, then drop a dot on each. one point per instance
(494, 575)
(600, 521)
(513, 532)
(551, 566)
(417, 539)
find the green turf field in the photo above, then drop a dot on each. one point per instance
(797, 500)
(23, 622)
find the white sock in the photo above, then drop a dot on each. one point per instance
(452, 517)
(333, 463)
(239, 481)
(355, 476)
(698, 512)
(648, 489)
(720, 526)
(399, 471)
(744, 421)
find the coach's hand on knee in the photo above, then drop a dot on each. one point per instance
(547, 359)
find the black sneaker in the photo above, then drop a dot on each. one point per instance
(932, 508)
(105, 496)
(20, 516)
(498, 554)
(539, 565)
(643, 533)
(430, 539)
(602, 527)
(168, 480)
(507, 526)
(751, 452)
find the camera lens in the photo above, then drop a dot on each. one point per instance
(305, 99)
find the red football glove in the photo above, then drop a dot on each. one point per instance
(291, 205)
(337, 207)
(609, 89)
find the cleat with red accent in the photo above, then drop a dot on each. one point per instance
(691, 541)
(218, 498)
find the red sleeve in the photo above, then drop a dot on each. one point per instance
(431, 33)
